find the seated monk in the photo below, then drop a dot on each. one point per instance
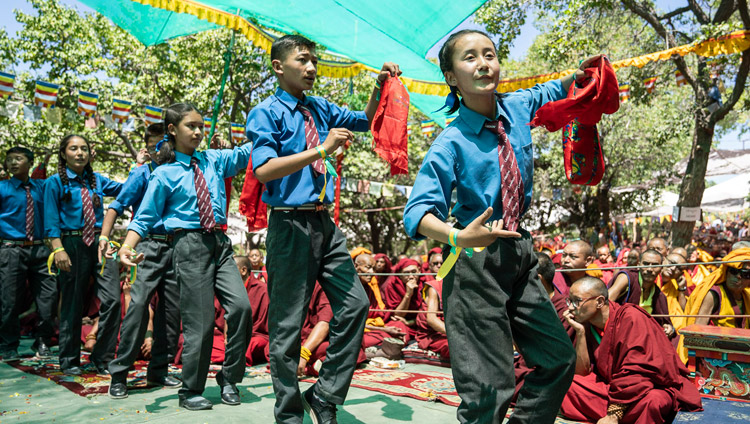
(430, 332)
(576, 255)
(403, 293)
(433, 264)
(383, 265)
(638, 286)
(314, 334)
(546, 272)
(257, 266)
(375, 327)
(604, 260)
(257, 292)
(626, 369)
(676, 286)
(726, 291)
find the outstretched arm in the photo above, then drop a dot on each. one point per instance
(388, 70)
(578, 75)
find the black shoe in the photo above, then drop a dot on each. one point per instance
(165, 381)
(72, 371)
(101, 369)
(118, 390)
(42, 350)
(10, 355)
(320, 410)
(195, 403)
(229, 393)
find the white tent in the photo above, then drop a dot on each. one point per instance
(728, 196)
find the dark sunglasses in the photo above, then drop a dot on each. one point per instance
(744, 273)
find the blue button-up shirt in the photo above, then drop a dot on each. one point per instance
(68, 216)
(277, 128)
(13, 209)
(465, 157)
(171, 198)
(133, 191)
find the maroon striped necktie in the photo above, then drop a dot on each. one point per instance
(205, 209)
(89, 219)
(311, 137)
(29, 213)
(511, 183)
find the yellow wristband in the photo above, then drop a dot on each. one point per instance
(321, 151)
(305, 353)
(129, 247)
(51, 259)
(104, 238)
(453, 237)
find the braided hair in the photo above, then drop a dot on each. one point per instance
(173, 115)
(445, 57)
(63, 173)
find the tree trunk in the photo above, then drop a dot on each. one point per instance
(694, 181)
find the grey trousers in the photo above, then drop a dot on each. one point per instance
(491, 301)
(155, 275)
(205, 267)
(304, 247)
(72, 286)
(18, 265)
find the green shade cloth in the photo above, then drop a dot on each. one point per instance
(368, 32)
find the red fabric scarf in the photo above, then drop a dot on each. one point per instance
(389, 126)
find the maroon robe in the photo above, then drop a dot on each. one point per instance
(427, 337)
(634, 365)
(562, 283)
(256, 352)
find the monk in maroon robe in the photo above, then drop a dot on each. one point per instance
(257, 293)
(430, 332)
(576, 255)
(375, 327)
(315, 332)
(404, 293)
(626, 369)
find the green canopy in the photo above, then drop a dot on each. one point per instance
(368, 32)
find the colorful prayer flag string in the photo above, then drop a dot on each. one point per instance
(87, 103)
(7, 82)
(153, 114)
(45, 94)
(121, 110)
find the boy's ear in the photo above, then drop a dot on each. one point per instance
(276, 65)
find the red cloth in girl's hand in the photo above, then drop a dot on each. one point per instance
(251, 203)
(600, 94)
(389, 126)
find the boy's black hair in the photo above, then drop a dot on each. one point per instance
(20, 150)
(546, 267)
(154, 130)
(445, 57)
(283, 45)
(172, 115)
(63, 173)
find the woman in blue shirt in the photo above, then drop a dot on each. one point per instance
(187, 195)
(493, 298)
(72, 219)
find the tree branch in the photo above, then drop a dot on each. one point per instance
(700, 15)
(744, 13)
(725, 10)
(127, 142)
(739, 88)
(672, 14)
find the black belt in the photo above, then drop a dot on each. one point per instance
(77, 232)
(160, 237)
(21, 243)
(303, 208)
(215, 229)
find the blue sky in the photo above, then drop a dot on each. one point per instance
(517, 51)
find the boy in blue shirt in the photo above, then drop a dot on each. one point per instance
(23, 256)
(303, 244)
(154, 276)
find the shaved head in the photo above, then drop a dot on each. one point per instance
(591, 286)
(658, 244)
(242, 261)
(583, 247)
(680, 251)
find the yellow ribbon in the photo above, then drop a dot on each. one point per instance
(51, 259)
(447, 265)
(104, 258)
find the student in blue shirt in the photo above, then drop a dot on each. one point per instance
(186, 193)
(303, 244)
(154, 276)
(23, 256)
(68, 195)
(493, 298)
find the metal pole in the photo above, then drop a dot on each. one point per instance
(220, 97)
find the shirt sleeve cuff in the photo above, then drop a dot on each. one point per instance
(362, 124)
(138, 228)
(414, 217)
(117, 207)
(261, 155)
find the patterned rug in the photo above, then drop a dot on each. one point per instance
(87, 384)
(717, 411)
